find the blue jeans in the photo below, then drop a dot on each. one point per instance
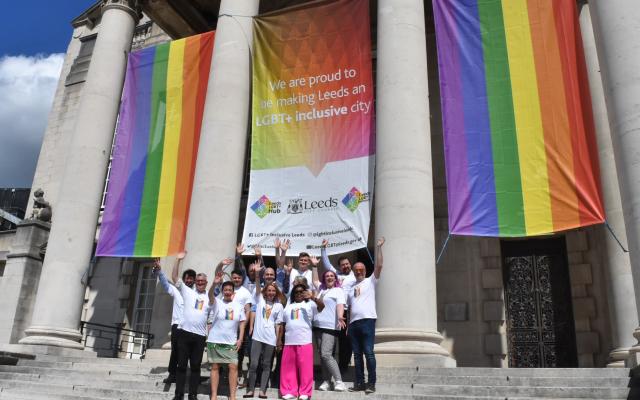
(363, 333)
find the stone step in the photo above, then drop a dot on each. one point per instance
(136, 366)
(125, 378)
(28, 393)
(99, 389)
(152, 383)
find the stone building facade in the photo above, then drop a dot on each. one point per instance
(561, 300)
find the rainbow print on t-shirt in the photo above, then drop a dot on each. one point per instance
(356, 291)
(228, 314)
(295, 314)
(266, 311)
(199, 304)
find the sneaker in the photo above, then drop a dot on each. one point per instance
(288, 396)
(340, 386)
(324, 386)
(357, 388)
(303, 397)
(169, 379)
(371, 388)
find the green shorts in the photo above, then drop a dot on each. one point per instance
(219, 353)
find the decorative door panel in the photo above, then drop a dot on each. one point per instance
(540, 329)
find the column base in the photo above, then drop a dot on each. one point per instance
(411, 348)
(634, 352)
(50, 336)
(618, 357)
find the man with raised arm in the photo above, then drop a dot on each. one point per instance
(188, 277)
(304, 262)
(192, 339)
(362, 321)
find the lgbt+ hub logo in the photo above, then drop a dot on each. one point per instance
(264, 206)
(353, 199)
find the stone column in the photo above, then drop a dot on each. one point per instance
(217, 187)
(622, 305)
(60, 294)
(617, 27)
(407, 308)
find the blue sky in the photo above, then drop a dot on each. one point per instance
(35, 35)
(38, 26)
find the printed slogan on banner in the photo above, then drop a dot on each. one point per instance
(313, 147)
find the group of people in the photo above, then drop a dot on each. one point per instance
(274, 313)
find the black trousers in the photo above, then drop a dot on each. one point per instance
(344, 343)
(190, 349)
(173, 359)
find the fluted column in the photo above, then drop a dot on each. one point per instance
(407, 306)
(217, 188)
(622, 305)
(617, 29)
(56, 315)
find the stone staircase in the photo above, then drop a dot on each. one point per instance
(59, 377)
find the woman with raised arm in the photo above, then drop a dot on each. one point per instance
(296, 376)
(269, 306)
(327, 325)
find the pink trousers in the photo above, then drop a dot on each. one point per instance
(296, 372)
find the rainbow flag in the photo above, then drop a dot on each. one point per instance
(149, 187)
(520, 150)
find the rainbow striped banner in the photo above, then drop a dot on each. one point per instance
(149, 189)
(520, 150)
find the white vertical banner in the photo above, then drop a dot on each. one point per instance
(313, 139)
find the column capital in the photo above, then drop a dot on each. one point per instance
(133, 7)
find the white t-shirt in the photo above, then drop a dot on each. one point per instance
(346, 282)
(264, 324)
(195, 310)
(298, 320)
(308, 275)
(225, 319)
(178, 304)
(328, 317)
(362, 299)
(242, 296)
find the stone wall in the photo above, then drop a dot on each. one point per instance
(585, 253)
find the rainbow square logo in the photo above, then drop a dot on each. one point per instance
(228, 314)
(262, 206)
(353, 199)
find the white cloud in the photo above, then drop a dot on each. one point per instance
(27, 87)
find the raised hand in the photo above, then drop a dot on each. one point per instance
(227, 261)
(255, 266)
(289, 265)
(181, 255)
(325, 243)
(380, 242)
(217, 280)
(156, 265)
(284, 246)
(276, 243)
(257, 250)
(314, 260)
(240, 248)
